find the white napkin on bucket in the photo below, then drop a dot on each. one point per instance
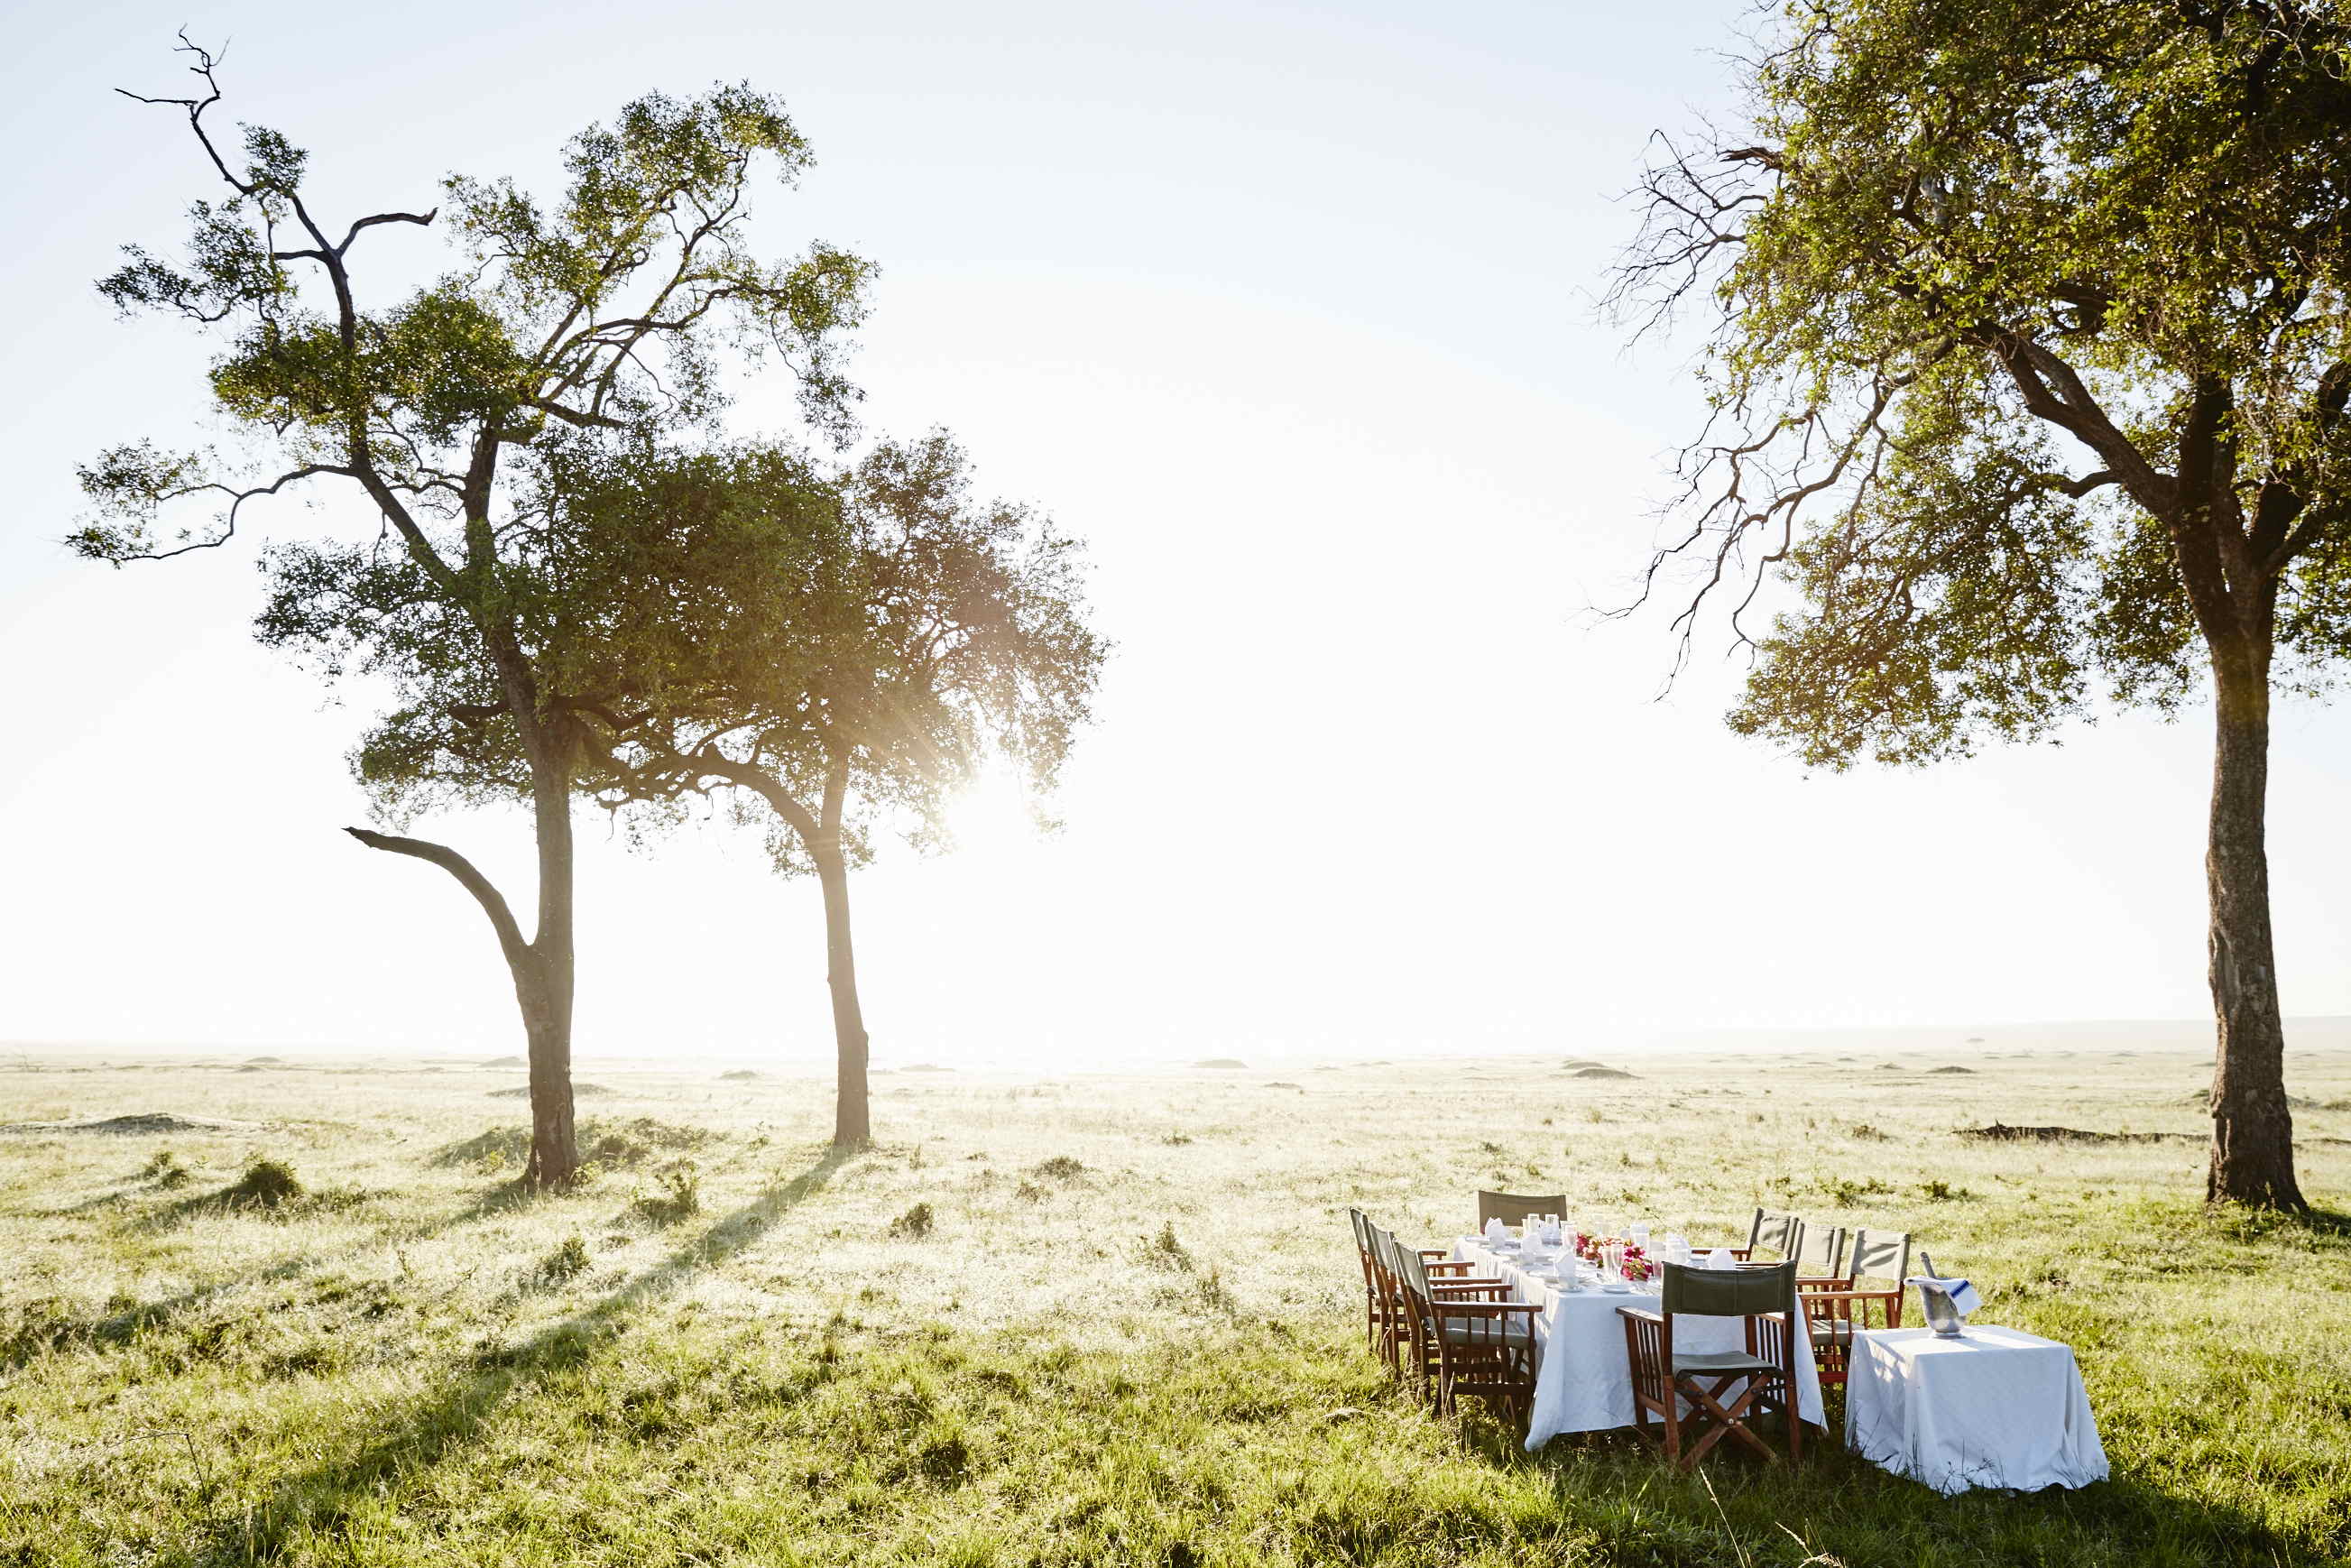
(1964, 1298)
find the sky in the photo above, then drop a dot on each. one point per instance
(1287, 311)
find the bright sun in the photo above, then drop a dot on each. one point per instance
(992, 817)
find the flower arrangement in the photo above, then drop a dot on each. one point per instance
(1637, 1265)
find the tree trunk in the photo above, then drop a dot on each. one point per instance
(851, 1120)
(547, 1025)
(2253, 1130)
(547, 1003)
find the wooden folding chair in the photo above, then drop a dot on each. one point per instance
(1512, 1208)
(1375, 1307)
(1665, 1377)
(1838, 1305)
(1477, 1340)
(1411, 1347)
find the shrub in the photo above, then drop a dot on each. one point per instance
(1062, 1167)
(912, 1225)
(1944, 1192)
(1847, 1194)
(1165, 1251)
(1029, 1192)
(623, 1144)
(1213, 1294)
(1176, 1140)
(568, 1262)
(681, 1194)
(1867, 1134)
(166, 1170)
(266, 1184)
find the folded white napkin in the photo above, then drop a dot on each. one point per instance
(1720, 1258)
(1496, 1232)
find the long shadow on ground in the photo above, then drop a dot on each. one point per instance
(435, 1426)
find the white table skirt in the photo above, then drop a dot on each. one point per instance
(1996, 1408)
(1583, 1381)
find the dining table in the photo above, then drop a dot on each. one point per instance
(1584, 1378)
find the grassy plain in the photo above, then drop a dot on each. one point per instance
(1125, 1327)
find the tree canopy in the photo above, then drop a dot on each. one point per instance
(2008, 292)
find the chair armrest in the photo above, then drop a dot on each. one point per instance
(1642, 1313)
(1436, 1265)
(1822, 1282)
(1452, 1309)
(1450, 1288)
(1810, 1296)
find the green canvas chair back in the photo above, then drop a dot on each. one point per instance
(1729, 1292)
(1780, 1233)
(1512, 1208)
(1831, 1249)
(1881, 1255)
(1390, 1252)
(1410, 1269)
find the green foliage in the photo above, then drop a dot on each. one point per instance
(841, 651)
(915, 1224)
(567, 1262)
(264, 1183)
(680, 1196)
(165, 1169)
(2031, 361)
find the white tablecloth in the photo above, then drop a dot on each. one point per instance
(1996, 1408)
(1583, 1381)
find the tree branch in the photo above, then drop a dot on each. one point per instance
(493, 902)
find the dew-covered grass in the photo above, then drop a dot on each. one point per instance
(1092, 1319)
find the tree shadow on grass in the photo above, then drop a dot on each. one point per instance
(36, 1338)
(435, 1426)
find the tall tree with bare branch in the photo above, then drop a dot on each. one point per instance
(608, 316)
(2031, 349)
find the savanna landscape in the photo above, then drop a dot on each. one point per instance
(1086, 1318)
(719, 858)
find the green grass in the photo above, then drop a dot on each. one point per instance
(1125, 1328)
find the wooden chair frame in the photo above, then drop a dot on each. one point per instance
(1476, 1340)
(1838, 1306)
(1659, 1390)
(1403, 1341)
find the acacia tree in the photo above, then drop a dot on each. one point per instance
(2028, 376)
(606, 316)
(837, 654)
